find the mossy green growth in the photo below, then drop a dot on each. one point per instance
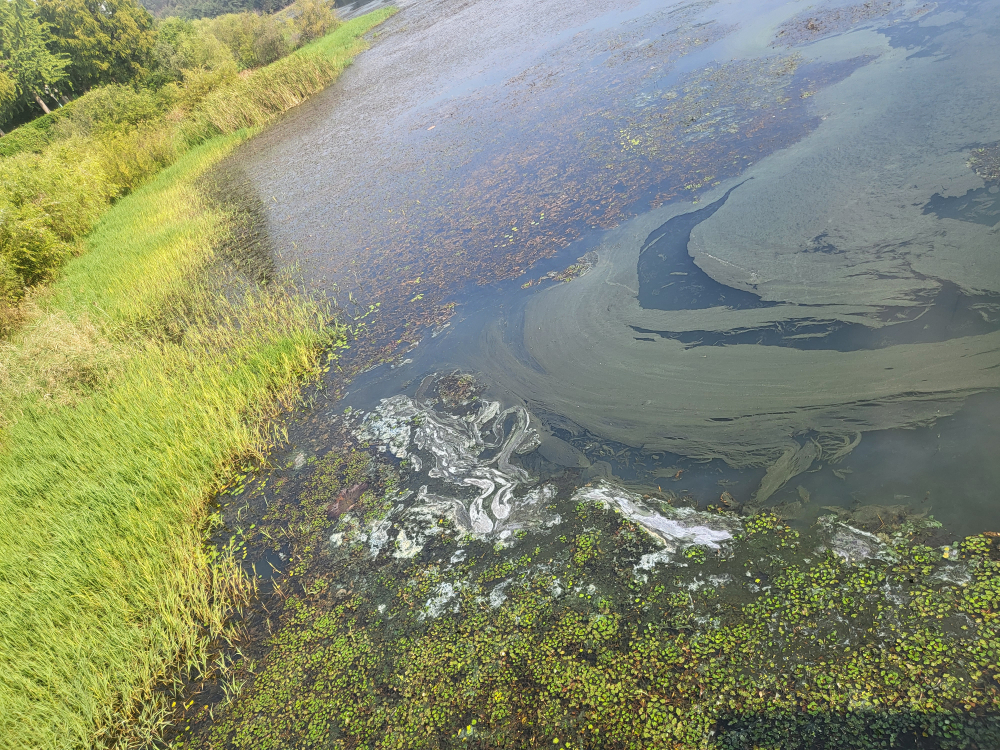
(775, 643)
(586, 548)
(347, 484)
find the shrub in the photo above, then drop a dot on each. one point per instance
(312, 19)
(33, 136)
(253, 40)
(29, 250)
(130, 158)
(11, 286)
(196, 46)
(47, 201)
(110, 108)
(259, 98)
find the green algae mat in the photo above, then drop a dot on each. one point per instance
(589, 616)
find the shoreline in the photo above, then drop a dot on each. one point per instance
(140, 380)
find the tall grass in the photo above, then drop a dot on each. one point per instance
(256, 100)
(143, 372)
(105, 583)
(115, 139)
(272, 90)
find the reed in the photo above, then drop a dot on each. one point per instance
(131, 387)
(53, 191)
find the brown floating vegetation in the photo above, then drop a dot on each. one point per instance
(813, 24)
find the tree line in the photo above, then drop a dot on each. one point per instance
(52, 51)
(156, 90)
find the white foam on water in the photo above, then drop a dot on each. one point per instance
(675, 528)
(481, 496)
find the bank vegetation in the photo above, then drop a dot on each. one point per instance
(140, 362)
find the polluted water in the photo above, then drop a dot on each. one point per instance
(676, 317)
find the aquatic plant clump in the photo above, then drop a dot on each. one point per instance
(815, 24)
(574, 271)
(985, 162)
(623, 622)
(824, 654)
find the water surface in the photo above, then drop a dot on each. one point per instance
(790, 262)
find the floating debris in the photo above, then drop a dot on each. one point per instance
(675, 528)
(457, 390)
(852, 545)
(814, 24)
(985, 162)
(957, 574)
(583, 264)
(443, 600)
(463, 453)
(793, 462)
(886, 519)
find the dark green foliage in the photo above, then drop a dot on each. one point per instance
(32, 137)
(105, 41)
(30, 72)
(58, 48)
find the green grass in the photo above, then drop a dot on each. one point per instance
(105, 583)
(267, 92)
(53, 189)
(126, 397)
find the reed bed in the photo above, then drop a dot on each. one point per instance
(51, 198)
(129, 390)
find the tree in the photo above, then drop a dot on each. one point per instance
(254, 40)
(106, 41)
(8, 95)
(27, 66)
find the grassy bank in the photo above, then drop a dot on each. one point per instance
(59, 178)
(128, 388)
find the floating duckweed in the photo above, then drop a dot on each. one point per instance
(772, 639)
